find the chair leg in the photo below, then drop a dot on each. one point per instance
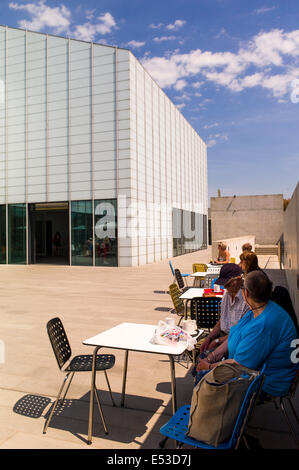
(55, 404)
(100, 410)
(293, 432)
(67, 388)
(106, 376)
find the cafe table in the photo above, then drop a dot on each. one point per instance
(198, 277)
(131, 337)
(192, 293)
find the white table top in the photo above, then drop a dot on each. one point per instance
(199, 274)
(194, 292)
(133, 337)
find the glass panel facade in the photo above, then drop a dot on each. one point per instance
(189, 231)
(17, 234)
(2, 234)
(105, 232)
(82, 239)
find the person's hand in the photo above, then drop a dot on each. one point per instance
(205, 345)
(202, 365)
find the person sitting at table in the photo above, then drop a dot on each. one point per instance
(262, 336)
(223, 254)
(246, 247)
(233, 308)
(248, 262)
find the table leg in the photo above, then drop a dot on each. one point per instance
(124, 379)
(92, 391)
(173, 384)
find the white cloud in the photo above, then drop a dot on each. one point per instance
(180, 84)
(56, 18)
(216, 139)
(156, 26)
(176, 25)
(273, 54)
(261, 11)
(210, 126)
(136, 44)
(89, 31)
(164, 38)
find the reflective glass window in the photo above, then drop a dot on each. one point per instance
(17, 233)
(82, 239)
(2, 234)
(105, 232)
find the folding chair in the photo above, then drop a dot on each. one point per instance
(199, 267)
(206, 311)
(180, 280)
(178, 303)
(173, 273)
(177, 426)
(82, 363)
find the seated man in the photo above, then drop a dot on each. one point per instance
(263, 336)
(233, 308)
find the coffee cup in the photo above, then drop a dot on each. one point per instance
(216, 288)
(170, 322)
(189, 326)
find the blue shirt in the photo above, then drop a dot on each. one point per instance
(266, 339)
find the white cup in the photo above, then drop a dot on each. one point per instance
(170, 322)
(216, 288)
(189, 326)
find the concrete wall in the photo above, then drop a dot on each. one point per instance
(236, 216)
(291, 247)
(234, 246)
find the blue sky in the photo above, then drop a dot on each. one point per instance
(229, 65)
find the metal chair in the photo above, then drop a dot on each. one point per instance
(180, 280)
(208, 280)
(177, 426)
(206, 311)
(82, 363)
(173, 271)
(178, 303)
(199, 267)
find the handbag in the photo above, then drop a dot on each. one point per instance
(216, 402)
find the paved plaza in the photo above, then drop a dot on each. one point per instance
(89, 301)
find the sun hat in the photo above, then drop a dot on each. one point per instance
(227, 272)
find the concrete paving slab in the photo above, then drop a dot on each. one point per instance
(88, 300)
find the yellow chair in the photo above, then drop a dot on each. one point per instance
(233, 260)
(178, 303)
(199, 267)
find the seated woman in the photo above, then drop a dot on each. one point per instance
(248, 262)
(263, 335)
(223, 254)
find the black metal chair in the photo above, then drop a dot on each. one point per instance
(82, 363)
(206, 311)
(180, 280)
(208, 280)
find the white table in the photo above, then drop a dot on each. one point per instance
(198, 276)
(131, 337)
(191, 294)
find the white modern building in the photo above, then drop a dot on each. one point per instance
(97, 165)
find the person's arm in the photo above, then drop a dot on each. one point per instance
(219, 352)
(213, 334)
